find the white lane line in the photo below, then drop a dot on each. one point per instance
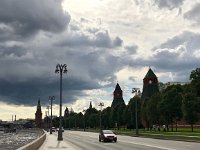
(149, 145)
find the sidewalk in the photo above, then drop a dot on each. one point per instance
(51, 142)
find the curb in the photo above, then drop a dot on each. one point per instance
(34, 145)
(173, 137)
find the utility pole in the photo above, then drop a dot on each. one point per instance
(51, 98)
(101, 104)
(48, 107)
(84, 110)
(137, 92)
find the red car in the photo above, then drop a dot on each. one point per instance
(107, 135)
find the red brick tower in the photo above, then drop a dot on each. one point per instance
(38, 116)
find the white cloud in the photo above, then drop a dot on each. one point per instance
(196, 53)
(193, 14)
(169, 3)
(7, 111)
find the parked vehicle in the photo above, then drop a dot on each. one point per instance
(107, 135)
(53, 129)
(62, 129)
(2, 129)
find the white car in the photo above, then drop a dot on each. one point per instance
(58, 129)
(53, 129)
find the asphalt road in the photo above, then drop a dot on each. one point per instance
(89, 141)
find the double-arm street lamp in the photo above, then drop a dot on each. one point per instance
(137, 92)
(101, 104)
(60, 68)
(51, 98)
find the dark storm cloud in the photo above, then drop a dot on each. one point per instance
(28, 92)
(25, 17)
(189, 39)
(28, 64)
(169, 3)
(193, 14)
(132, 49)
(84, 73)
(132, 79)
(27, 67)
(16, 50)
(98, 39)
(100, 64)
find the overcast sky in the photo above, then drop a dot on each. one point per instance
(101, 41)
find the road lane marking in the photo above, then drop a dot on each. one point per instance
(149, 145)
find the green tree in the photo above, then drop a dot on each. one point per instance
(153, 113)
(79, 120)
(195, 81)
(118, 113)
(191, 108)
(107, 118)
(130, 112)
(90, 115)
(93, 120)
(170, 106)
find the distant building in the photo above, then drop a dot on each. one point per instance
(38, 115)
(117, 97)
(150, 85)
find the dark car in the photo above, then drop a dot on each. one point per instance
(107, 135)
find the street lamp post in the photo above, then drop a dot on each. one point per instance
(46, 122)
(137, 92)
(101, 104)
(48, 118)
(84, 110)
(60, 68)
(51, 98)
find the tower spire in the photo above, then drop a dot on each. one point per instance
(90, 105)
(117, 97)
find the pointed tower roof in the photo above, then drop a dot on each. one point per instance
(39, 102)
(117, 88)
(117, 97)
(38, 105)
(150, 74)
